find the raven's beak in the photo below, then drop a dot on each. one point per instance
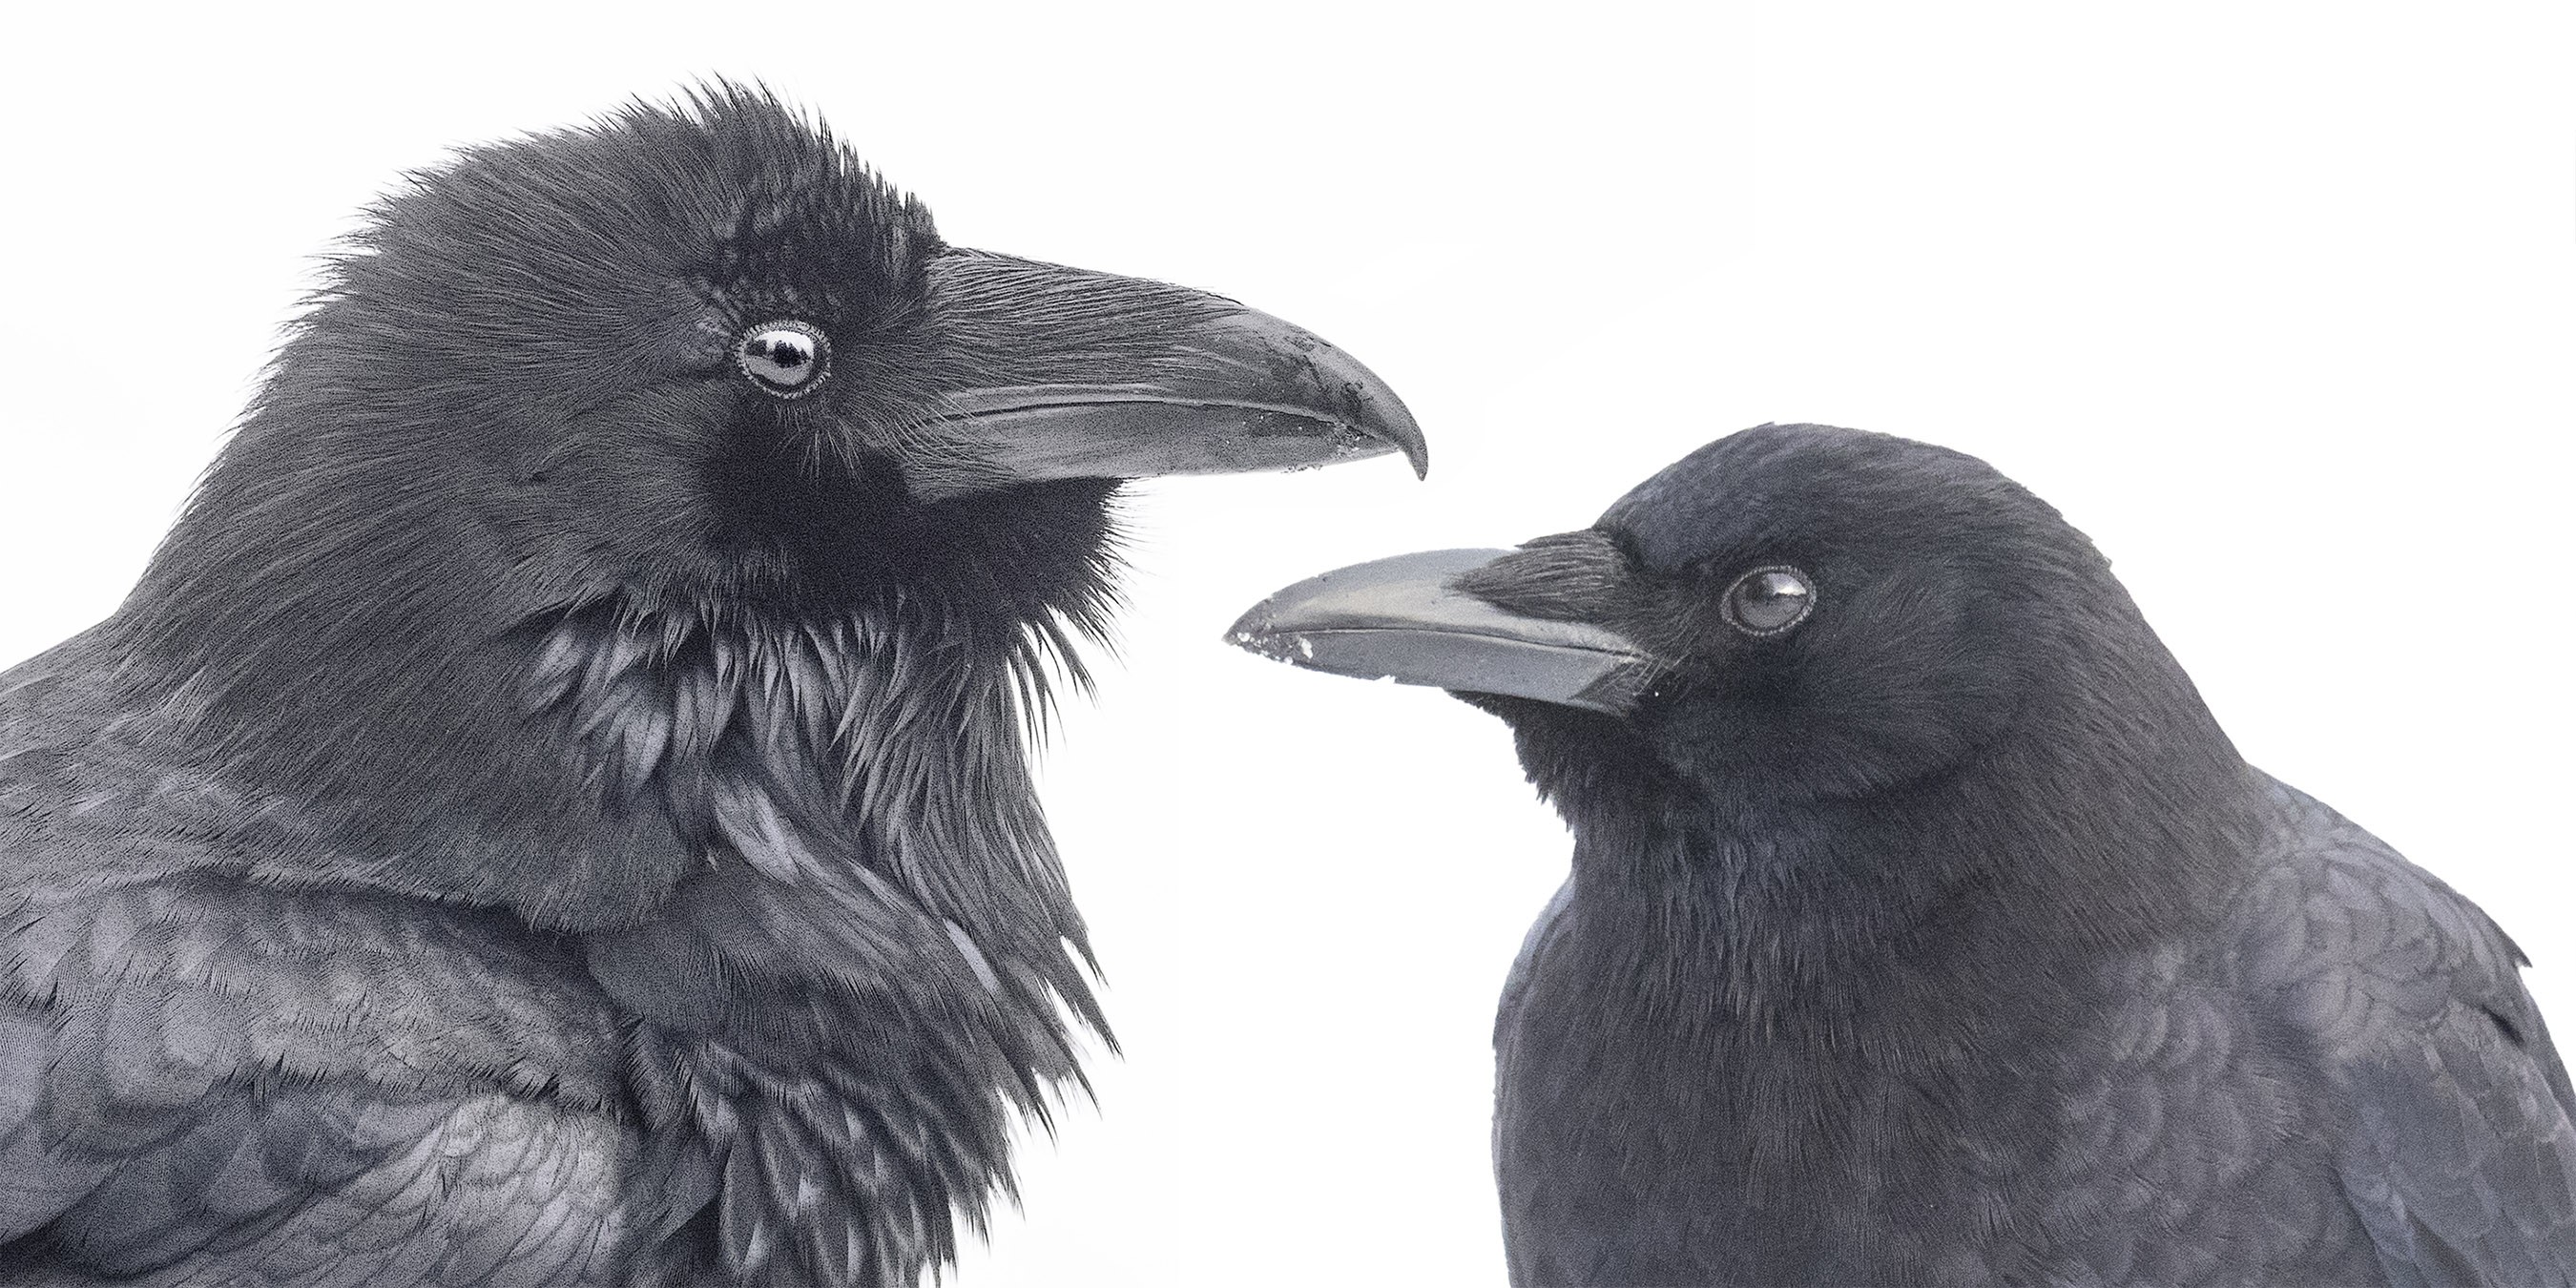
(1088, 375)
(1400, 619)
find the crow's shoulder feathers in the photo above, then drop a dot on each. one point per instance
(2459, 1155)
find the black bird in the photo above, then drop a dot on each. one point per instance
(556, 809)
(1924, 928)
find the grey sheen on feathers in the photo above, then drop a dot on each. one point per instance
(1923, 926)
(556, 811)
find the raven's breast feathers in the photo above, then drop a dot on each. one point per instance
(846, 999)
(816, 1042)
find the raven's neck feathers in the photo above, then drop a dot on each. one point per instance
(447, 721)
(798, 832)
(899, 745)
(352, 612)
(846, 1001)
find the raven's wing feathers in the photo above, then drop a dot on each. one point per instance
(332, 1186)
(203, 1096)
(2460, 1156)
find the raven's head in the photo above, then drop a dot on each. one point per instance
(709, 354)
(1791, 613)
(686, 387)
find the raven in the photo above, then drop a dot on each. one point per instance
(556, 808)
(1923, 927)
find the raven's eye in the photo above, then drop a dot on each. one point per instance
(788, 359)
(1767, 601)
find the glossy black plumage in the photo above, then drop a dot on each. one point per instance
(556, 811)
(1943, 937)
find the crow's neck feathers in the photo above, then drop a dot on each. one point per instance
(2110, 816)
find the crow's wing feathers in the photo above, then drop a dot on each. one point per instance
(2460, 1157)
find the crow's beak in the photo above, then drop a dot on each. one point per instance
(1087, 375)
(1401, 619)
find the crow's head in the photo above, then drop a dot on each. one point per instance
(1795, 612)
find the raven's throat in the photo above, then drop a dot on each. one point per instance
(843, 1007)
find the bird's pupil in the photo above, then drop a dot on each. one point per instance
(782, 352)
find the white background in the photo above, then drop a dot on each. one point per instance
(2273, 300)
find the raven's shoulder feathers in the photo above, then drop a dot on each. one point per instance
(205, 1053)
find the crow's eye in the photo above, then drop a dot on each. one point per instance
(1767, 601)
(786, 359)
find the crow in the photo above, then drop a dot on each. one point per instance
(556, 808)
(1924, 928)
